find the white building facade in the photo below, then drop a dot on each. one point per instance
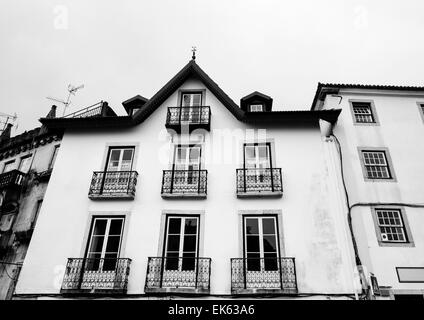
(379, 131)
(193, 195)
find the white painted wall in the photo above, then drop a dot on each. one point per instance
(400, 130)
(313, 231)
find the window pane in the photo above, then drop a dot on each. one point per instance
(268, 226)
(190, 226)
(173, 243)
(253, 262)
(252, 244)
(115, 227)
(171, 261)
(269, 244)
(249, 152)
(109, 263)
(252, 226)
(100, 227)
(271, 262)
(188, 261)
(113, 244)
(197, 99)
(190, 243)
(97, 244)
(174, 225)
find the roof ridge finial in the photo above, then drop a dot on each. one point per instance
(193, 49)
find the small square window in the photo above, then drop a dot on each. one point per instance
(363, 112)
(376, 165)
(256, 108)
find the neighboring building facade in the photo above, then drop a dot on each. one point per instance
(380, 131)
(26, 163)
(193, 195)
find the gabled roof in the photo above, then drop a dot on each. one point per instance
(256, 94)
(190, 69)
(329, 88)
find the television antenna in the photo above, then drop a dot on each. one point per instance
(5, 119)
(71, 91)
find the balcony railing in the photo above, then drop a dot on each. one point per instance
(256, 274)
(113, 185)
(259, 182)
(192, 117)
(96, 275)
(184, 183)
(10, 179)
(100, 109)
(178, 274)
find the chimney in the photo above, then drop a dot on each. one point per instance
(52, 113)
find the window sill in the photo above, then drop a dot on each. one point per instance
(260, 194)
(116, 196)
(165, 291)
(264, 291)
(184, 195)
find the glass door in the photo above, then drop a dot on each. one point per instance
(118, 169)
(261, 251)
(257, 162)
(181, 247)
(186, 166)
(191, 103)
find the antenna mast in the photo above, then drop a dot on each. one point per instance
(5, 119)
(71, 91)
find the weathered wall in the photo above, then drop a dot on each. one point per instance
(400, 129)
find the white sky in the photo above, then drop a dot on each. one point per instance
(118, 49)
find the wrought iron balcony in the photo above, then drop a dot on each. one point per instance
(113, 185)
(184, 183)
(191, 117)
(96, 275)
(249, 275)
(11, 179)
(177, 274)
(259, 182)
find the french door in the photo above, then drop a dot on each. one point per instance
(118, 167)
(261, 249)
(104, 244)
(187, 158)
(257, 159)
(181, 250)
(191, 103)
(120, 159)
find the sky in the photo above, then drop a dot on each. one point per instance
(119, 49)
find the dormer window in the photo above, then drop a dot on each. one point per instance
(256, 108)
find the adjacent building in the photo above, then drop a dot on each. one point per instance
(381, 154)
(193, 195)
(26, 164)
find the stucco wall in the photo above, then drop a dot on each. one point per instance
(400, 130)
(312, 231)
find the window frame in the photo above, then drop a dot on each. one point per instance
(54, 156)
(181, 92)
(89, 238)
(408, 235)
(256, 105)
(371, 104)
(183, 216)
(255, 144)
(6, 164)
(28, 156)
(388, 162)
(123, 147)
